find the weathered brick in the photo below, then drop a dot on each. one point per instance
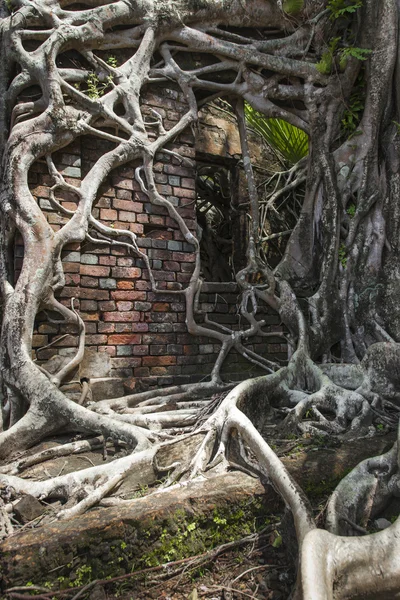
(39, 340)
(124, 305)
(115, 317)
(123, 327)
(161, 307)
(158, 350)
(140, 350)
(91, 282)
(188, 183)
(143, 306)
(72, 279)
(154, 361)
(142, 372)
(107, 283)
(89, 259)
(95, 340)
(126, 272)
(123, 195)
(108, 260)
(72, 257)
(94, 270)
(158, 371)
(161, 328)
(105, 327)
(121, 363)
(128, 295)
(124, 350)
(178, 306)
(124, 339)
(143, 327)
(127, 217)
(157, 339)
(125, 285)
(107, 305)
(174, 349)
(184, 193)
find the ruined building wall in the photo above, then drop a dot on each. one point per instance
(136, 338)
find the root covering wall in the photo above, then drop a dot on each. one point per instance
(135, 336)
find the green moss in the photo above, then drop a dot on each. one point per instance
(148, 543)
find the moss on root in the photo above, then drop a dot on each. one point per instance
(143, 544)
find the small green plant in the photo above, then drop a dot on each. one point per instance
(112, 61)
(351, 210)
(96, 88)
(342, 8)
(123, 545)
(324, 66)
(93, 87)
(358, 53)
(219, 521)
(292, 7)
(380, 427)
(83, 576)
(277, 543)
(343, 255)
(333, 52)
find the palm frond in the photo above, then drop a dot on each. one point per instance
(288, 142)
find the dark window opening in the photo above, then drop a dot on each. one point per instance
(221, 218)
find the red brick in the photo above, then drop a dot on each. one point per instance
(108, 305)
(90, 316)
(94, 270)
(106, 327)
(188, 183)
(161, 307)
(184, 193)
(170, 265)
(124, 306)
(143, 327)
(128, 295)
(127, 217)
(90, 282)
(70, 267)
(124, 194)
(124, 261)
(126, 272)
(159, 371)
(125, 285)
(154, 361)
(86, 293)
(128, 205)
(141, 372)
(136, 228)
(124, 317)
(124, 339)
(108, 260)
(140, 350)
(184, 256)
(95, 340)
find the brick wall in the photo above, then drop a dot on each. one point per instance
(133, 334)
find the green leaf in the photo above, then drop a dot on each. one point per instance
(277, 543)
(341, 8)
(288, 142)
